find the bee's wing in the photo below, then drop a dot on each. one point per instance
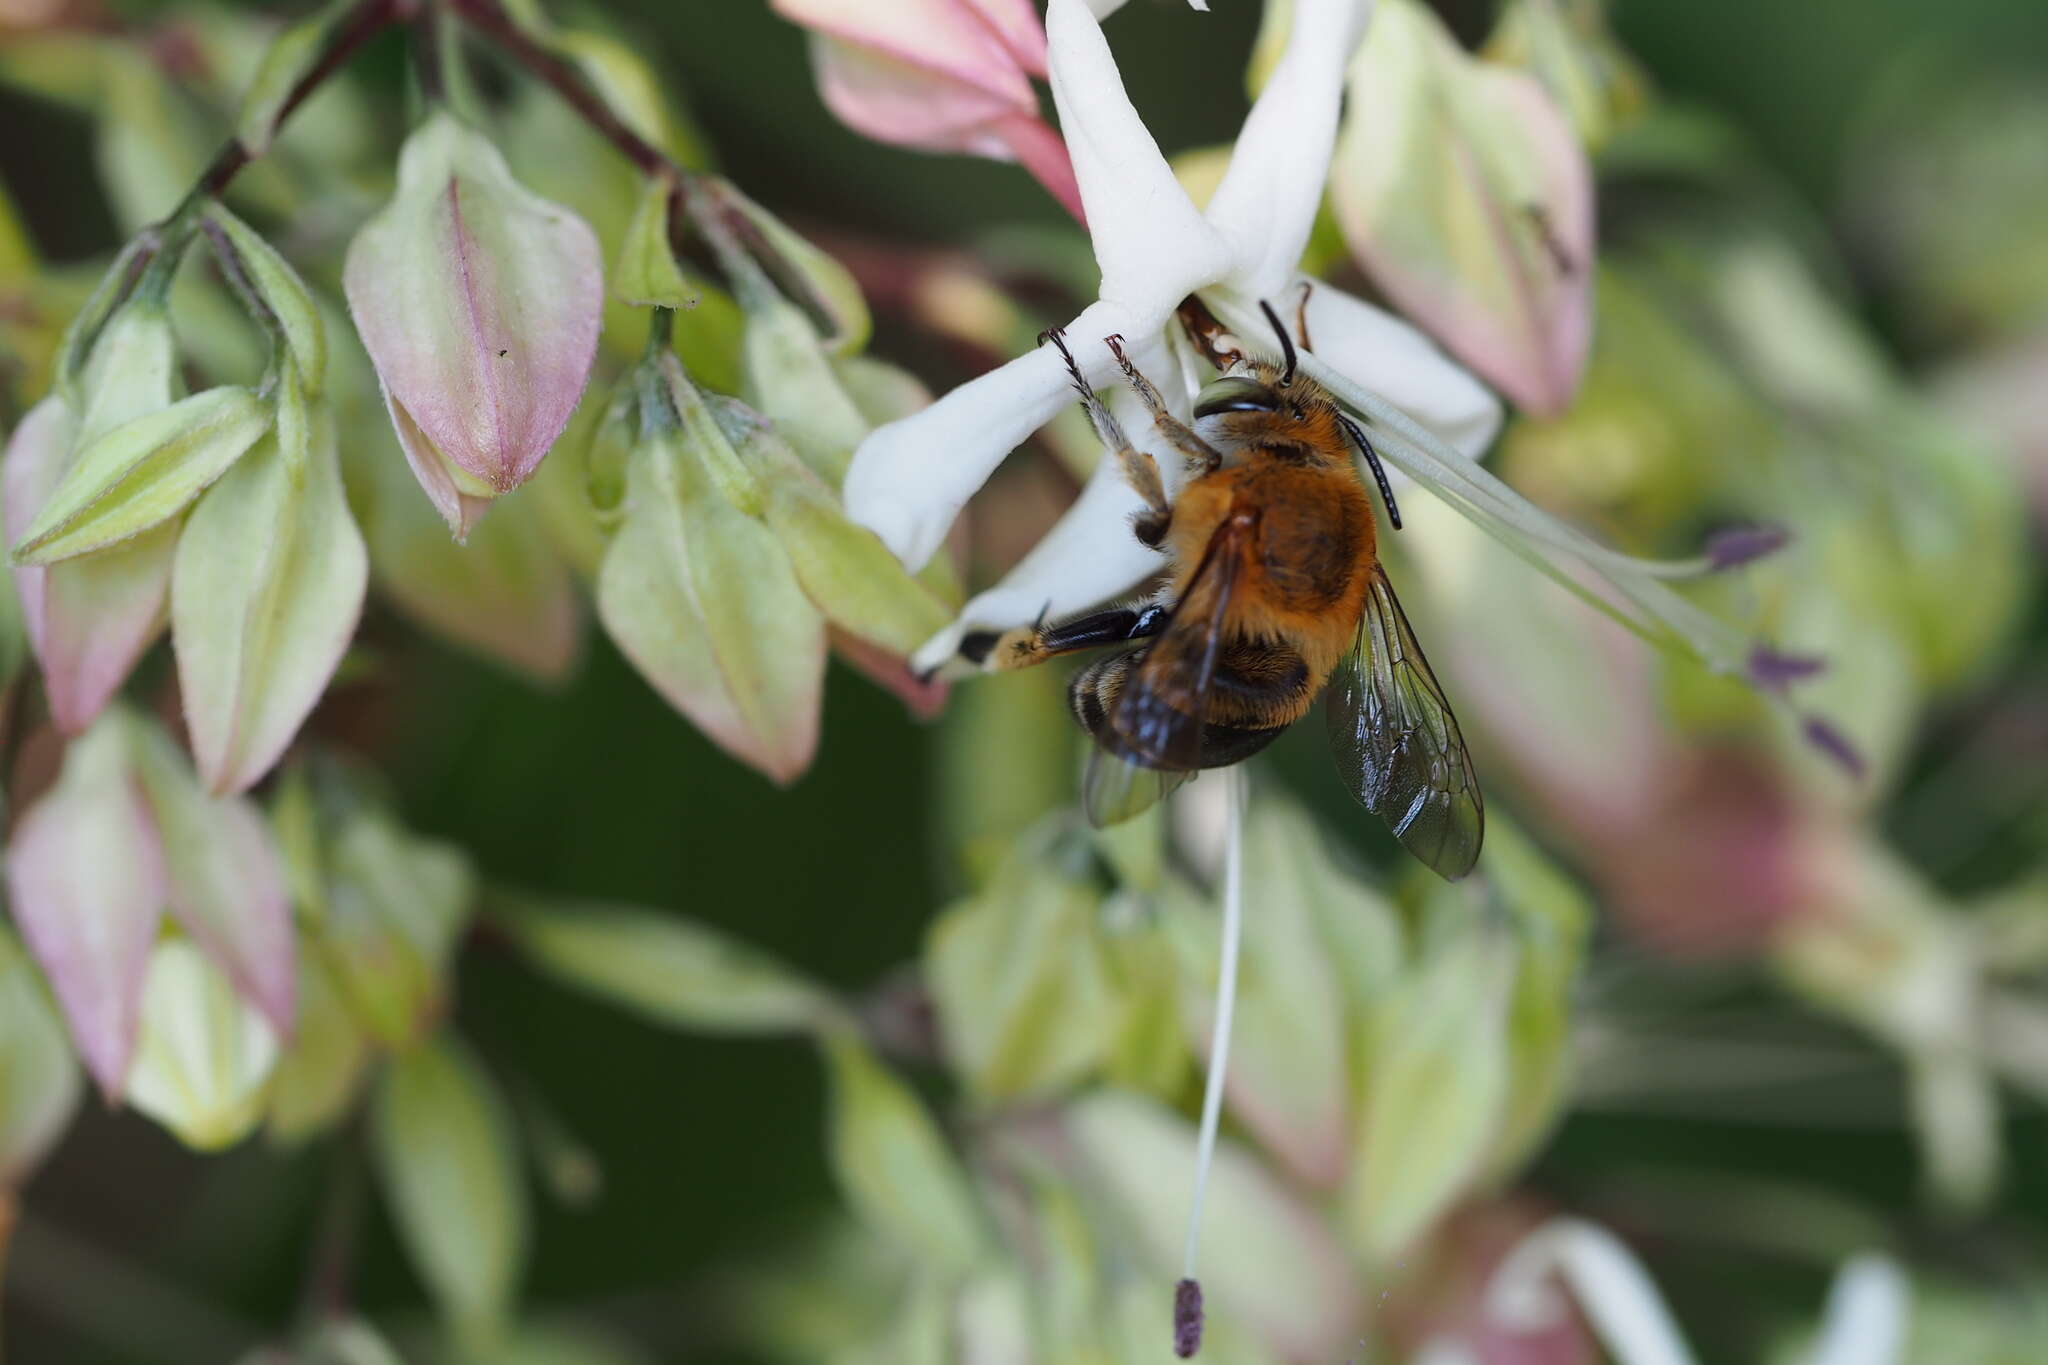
(1114, 788)
(1397, 744)
(1160, 714)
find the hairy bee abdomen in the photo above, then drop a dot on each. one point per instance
(1093, 694)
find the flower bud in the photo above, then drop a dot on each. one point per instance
(1571, 50)
(86, 886)
(224, 880)
(1465, 194)
(939, 75)
(89, 619)
(702, 597)
(205, 1054)
(479, 303)
(265, 594)
(39, 1081)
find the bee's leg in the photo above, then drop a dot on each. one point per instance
(1140, 469)
(1200, 454)
(1034, 644)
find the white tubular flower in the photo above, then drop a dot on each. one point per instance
(1864, 1321)
(910, 479)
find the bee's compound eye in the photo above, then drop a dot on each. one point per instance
(1235, 394)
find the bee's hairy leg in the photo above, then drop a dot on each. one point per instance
(1034, 644)
(1140, 469)
(1200, 454)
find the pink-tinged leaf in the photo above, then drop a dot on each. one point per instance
(924, 698)
(1463, 191)
(703, 599)
(479, 303)
(86, 885)
(88, 619)
(267, 588)
(224, 879)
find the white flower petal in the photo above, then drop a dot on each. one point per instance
(910, 478)
(1399, 363)
(1610, 1285)
(1089, 556)
(1268, 199)
(1865, 1320)
(1152, 243)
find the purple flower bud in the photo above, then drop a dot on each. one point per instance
(479, 303)
(1735, 546)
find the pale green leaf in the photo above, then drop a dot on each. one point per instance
(1018, 980)
(647, 272)
(143, 473)
(1434, 1069)
(394, 905)
(670, 969)
(894, 1166)
(290, 56)
(790, 377)
(280, 290)
(40, 1081)
(825, 287)
(322, 1071)
(446, 1159)
(844, 567)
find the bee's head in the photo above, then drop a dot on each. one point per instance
(1256, 396)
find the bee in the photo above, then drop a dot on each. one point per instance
(1274, 594)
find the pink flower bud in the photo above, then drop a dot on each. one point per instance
(86, 885)
(479, 303)
(941, 76)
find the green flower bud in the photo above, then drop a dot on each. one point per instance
(204, 1055)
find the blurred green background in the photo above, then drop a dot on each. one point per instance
(710, 1147)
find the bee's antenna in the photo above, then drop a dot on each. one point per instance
(1308, 287)
(1372, 457)
(1286, 342)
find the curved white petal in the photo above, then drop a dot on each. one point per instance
(910, 478)
(1609, 1283)
(1267, 201)
(1865, 1319)
(1152, 243)
(1088, 557)
(1394, 360)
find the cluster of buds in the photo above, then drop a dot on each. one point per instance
(215, 967)
(124, 497)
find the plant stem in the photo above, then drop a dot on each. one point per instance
(368, 19)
